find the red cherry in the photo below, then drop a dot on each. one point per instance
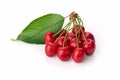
(78, 54)
(88, 35)
(48, 37)
(89, 47)
(76, 28)
(70, 35)
(64, 53)
(60, 41)
(73, 43)
(63, 32)
(50, 49)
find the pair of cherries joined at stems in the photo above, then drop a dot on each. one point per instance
(67, 42)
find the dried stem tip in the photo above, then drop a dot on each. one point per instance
(73, 15)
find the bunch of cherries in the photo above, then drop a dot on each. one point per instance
(71, 40)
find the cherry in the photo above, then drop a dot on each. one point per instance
(88, 35)
(60, 41)
(89, 47)
(64, 53)
(48, 37)
(78, 54)
(73, 43)
(76, 28)
(50, 49)
(70, 35)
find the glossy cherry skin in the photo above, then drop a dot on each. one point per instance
(48, 37)
(73, 43)
(88, 35)
(64, 53)
(78, 54)
(70, 36)
(60, 41)
(89, 47)
(76, 28)
(50, 49)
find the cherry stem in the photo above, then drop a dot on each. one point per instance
(74, 24)
(59, 35)
(64, 40)
(78, 18)
(77, 33)
(62, 32)
(66, 16)
(68, 28)
(77, 40)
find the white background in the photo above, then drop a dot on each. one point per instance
(21, 61)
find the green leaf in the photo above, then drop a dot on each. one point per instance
(35, 31)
